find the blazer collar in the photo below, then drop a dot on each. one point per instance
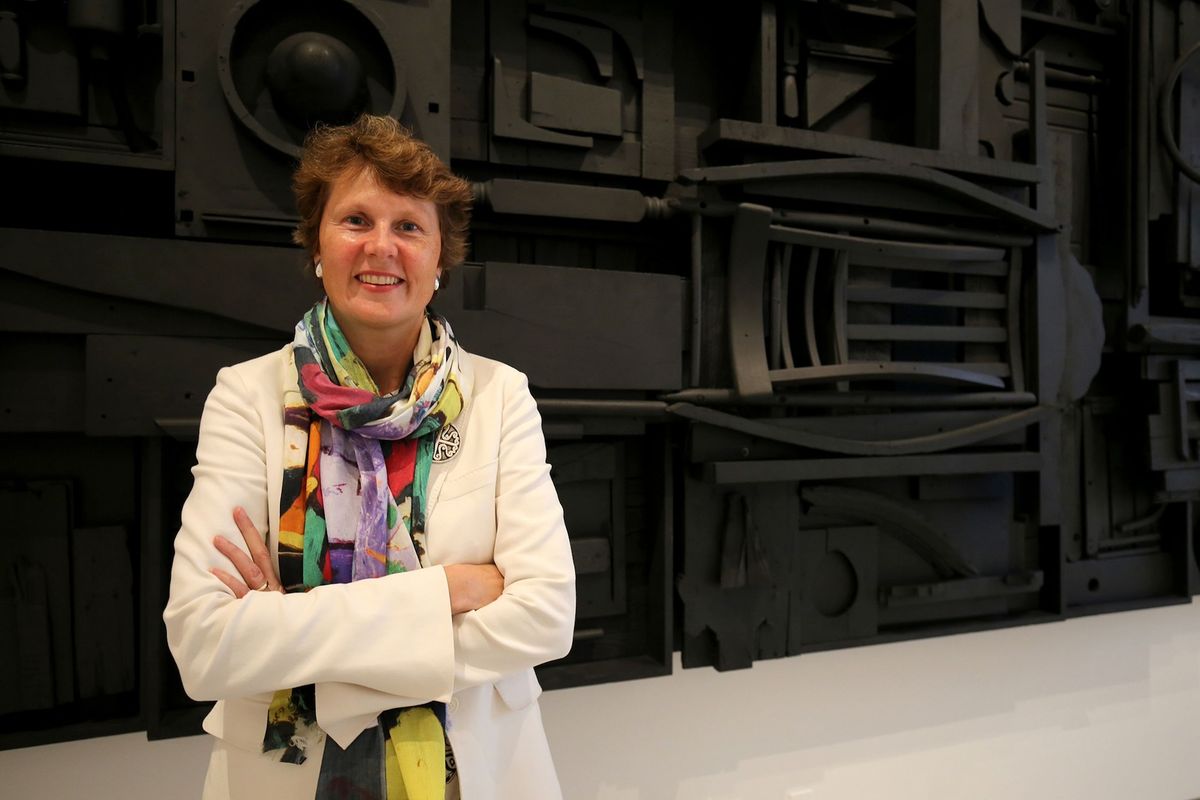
(466, 376)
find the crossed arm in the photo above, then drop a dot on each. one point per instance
(471, 586)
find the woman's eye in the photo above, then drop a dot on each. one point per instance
(410, 227)
(355, 219)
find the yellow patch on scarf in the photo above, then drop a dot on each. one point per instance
(291, 539)
(415, 759)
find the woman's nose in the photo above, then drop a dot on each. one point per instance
(382, 242)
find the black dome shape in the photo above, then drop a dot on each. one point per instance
(313, 78)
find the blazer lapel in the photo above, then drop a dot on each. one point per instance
(440, 469)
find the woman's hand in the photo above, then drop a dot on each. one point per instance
(472, 586)
(255, 572)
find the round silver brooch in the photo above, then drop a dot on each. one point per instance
(447, 444)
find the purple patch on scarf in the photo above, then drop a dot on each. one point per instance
(370, 557)
(341, 561)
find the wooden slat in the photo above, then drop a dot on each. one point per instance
(883, 226)
(1015, 357)
(841, 326)
(827, 469)
(709, 443)
(861, 246)
(925, 297)
(996, 268)
(785, 280)
(926, 333)
(884, 370)
(777, 315)
(865, 399)
(858, 155)
(747, 275)
(810, 299)
(985, 367)
(852, 445)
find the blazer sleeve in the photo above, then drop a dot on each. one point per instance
(393, 634)
(533, 620)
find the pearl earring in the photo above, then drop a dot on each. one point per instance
(319, 270)
(437, 282)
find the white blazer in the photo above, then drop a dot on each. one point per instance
(388, 642)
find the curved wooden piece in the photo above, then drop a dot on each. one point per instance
(775, 304)
(858, 168)
(629, 31)
(931, 443)
(886, 252)
(747, 276)
(595, 41)
(884, 370)
(861, 399)
(508, 123)
(785, 284)
(810, 304)
(841, 277)
(898, 520)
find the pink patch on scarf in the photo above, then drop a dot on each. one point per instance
(331, 397)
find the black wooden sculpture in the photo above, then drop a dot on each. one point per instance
(872, 319)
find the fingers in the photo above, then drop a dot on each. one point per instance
(254, 571)
(239, 589)
(248, 572)
(258, 550)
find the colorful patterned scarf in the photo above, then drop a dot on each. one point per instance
(335, 429)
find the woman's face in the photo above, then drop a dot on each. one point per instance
(379, 253)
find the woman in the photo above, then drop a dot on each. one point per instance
(416, 567)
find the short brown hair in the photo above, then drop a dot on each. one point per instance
(398, 160)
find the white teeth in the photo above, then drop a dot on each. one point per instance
(379, 280)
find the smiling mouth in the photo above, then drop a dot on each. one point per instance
(379, 280)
